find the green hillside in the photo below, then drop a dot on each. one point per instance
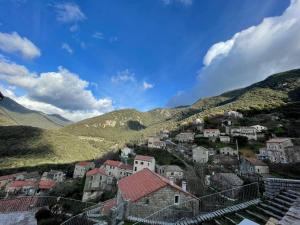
(22, 146)
(93, 137)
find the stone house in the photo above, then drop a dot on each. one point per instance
(164, 134)
(146, 192)
(185, 137)
(229, 151)
(211, 133)
(155, 142)
(225, 181)
(224, 139)
(81, 168)
(248, 132)
(171, 172)
(126, 152)
(96, 181)
(278, 150)
(200, 154)
(250, 166)
(143, 161)
(23, 187)
(57, 176)
(117, 169)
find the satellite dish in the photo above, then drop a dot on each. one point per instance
(1, 96)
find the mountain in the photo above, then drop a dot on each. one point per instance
(90, 138)
(12, 113)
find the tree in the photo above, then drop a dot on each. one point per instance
(241, 140)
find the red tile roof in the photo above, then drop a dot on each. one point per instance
(18, 204)
(142, 184)
(256, 161)
(105, 209)
(22, 183)
(118, 164)
(47, 184)
(96, 171)
(83, 163)
(7, 177)
(144, 158)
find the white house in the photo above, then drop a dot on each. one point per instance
(185, 137)
(155, 142)
(142, 161)
(171, 172)
(125, 152)
(259, 128)
(248, 132)
(233, 114)
(55, 175)
(211, 133)
(81, 168)
(253, 165)
(224, 139)
(116, 169)
(278, 150)
(200, 154)
(228, 151)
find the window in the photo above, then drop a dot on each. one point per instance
(135, 168)
(142, 163)
(176, 199)
(136, 162)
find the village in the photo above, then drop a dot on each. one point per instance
(170, 168)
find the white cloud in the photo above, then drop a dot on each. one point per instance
(98, 35)
(74, 28)
(67, 47)
(69, 12)
(14, 43)
(123, 76)
(249, 56)
(183, 2)
(147, 85)
(62, 90)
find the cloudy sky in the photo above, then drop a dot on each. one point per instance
(84, 58)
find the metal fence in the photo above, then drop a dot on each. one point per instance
(198, 206)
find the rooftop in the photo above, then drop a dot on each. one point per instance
(256, 161)
(83, 163)
(118, 164)
(96, 171)
(171, 168)
(22, 183)
(142, 184)
(278, 140)
(47, 184)
(144, 158)
(231, 178)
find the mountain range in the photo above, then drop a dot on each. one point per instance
(53, 139)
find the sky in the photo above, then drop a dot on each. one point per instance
(84, 58)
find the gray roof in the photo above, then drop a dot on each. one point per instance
(171, 168)
(232, 178)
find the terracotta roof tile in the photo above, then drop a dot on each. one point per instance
(107, 206)
(83, 163)
(144, 158)
(256, 161)
(96, 171)
(22, 183)
(142, 184)
(118, 164)
(47, 184)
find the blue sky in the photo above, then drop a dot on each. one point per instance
(84, 58)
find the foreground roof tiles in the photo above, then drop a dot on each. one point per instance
(22, 183)
(144, 158)
(142, 184)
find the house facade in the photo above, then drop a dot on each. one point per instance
(24, 187)
(171, 172)
(117, 169)
(228, 151)
(250, 166)
(278, 150)
(185, 137)
(200, 154)
(211, 133)
(259, 128)
(248, 132)
(224, 139)
(81, 168)
(233, 114)
(146, 192)
(142, 162)
(57, 176)
(126, 152)
(155, 142)
(96, 181)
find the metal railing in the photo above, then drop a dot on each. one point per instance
(198, 206)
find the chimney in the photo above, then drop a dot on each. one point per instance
(183, 185)
(172, 180)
